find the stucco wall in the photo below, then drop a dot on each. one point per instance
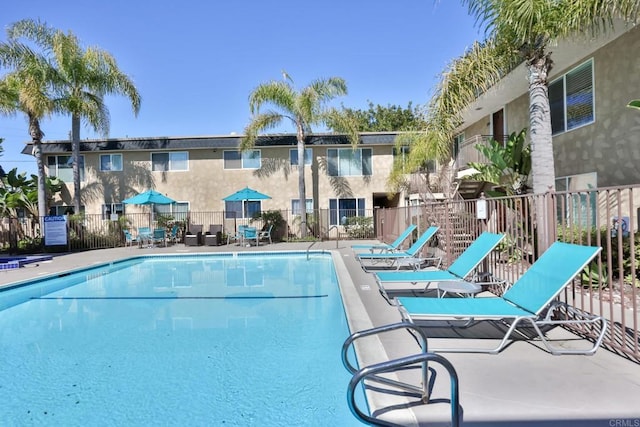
(206, 182)
(611, 145)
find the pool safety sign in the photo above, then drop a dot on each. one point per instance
(55, 230)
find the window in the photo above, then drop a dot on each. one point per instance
(242, 209)
(170, 161)
(62, 167)
(110, 162)
(242, 160)
(458, 142)
(112, 208)
(177, 210)
(293, 156)
(295, 206)
(571, 99)
(401, 154)
(578, 204)
(341, 209)
(63, 210)
(429, 166)
(349, 162)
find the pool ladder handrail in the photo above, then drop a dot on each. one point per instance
(316, 241)
(371, 372)
(309, 248)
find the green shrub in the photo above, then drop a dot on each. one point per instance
(624, 258)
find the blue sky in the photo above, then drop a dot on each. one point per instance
(195, 62)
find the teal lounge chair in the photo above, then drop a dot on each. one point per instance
(531, 299)
(396, 260)
(383, 247)
(461, 268)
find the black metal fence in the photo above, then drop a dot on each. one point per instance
(86, 232)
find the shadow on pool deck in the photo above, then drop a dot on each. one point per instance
(522, 386)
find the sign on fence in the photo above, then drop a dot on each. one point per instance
(55, 230)
(623, 224)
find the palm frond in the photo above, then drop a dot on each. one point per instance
(279, 94)
(258, 124)
(343, 122)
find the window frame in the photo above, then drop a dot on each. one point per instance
(295, 210)
(248, 209)
(111, 156)
(244, 158)
(307, 160)
(177, 210)
(561, 81)
(111, 208)
(337, 213)
(55, 171)
(170, 168)
(366, 163)
(62, 210)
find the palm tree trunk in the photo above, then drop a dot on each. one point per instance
(36, 136)
(301, 185)
(75, 158)
(542, 164)
(540, 123)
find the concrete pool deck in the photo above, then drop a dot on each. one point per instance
(522, 386)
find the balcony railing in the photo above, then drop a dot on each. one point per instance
(467, 151)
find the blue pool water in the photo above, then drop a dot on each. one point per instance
(233, 340)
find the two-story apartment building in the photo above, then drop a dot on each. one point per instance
(199, 172)
(596, 138)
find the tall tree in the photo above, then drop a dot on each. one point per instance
(304, 108)
(84, 77)
(26, 88)
(390, 118)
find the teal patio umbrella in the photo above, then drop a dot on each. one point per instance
(245, 195)
(149, 197)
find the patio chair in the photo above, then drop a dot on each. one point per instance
(384, 247)
(237, 236)
(173, 234)
(266, 234)
(251, 234)
(459, 270)
(159, 237)
(532, 299)
(193, 237)
(410, 257)
(129, 240)
(213, 237)
(144, 236)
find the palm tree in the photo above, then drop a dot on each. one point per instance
(84, 77)
(25, 88)
(304, 109)
(528, 28)
(482, 66)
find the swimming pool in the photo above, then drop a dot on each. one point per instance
(226, 339)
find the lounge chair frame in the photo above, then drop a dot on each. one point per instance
(384, 247)
(395, 260)
(532, 299)
(461, 269)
